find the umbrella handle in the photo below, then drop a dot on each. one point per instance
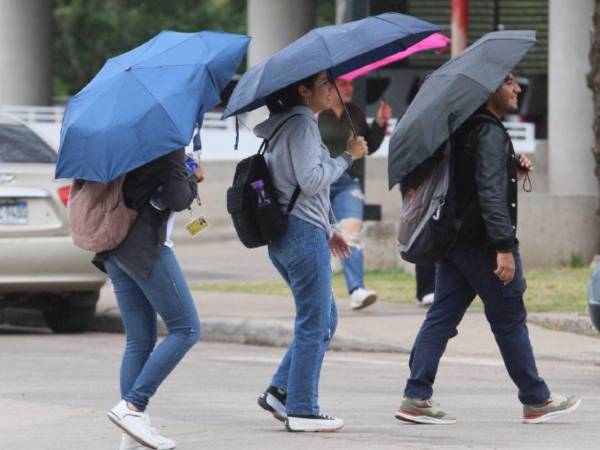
(347, 114)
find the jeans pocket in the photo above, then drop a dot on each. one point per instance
(516, 288)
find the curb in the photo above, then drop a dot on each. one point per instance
(253, 332)
(571, 323)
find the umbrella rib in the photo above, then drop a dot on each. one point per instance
(173, 46)
(154, 41)
(161, 105)
(326, 47)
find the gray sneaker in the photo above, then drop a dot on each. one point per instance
(423, 411)
(556, 406)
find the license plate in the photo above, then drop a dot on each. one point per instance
(14, 213)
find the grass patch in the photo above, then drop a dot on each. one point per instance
(561, 289)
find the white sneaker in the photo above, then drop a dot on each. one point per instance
(128, 443)
(427, 300)
(322, 422)
(137, 425)
(361, 298)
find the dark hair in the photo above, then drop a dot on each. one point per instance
(286, 98)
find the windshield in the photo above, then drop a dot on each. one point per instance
(18, 144)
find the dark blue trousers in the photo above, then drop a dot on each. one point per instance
(463, 274)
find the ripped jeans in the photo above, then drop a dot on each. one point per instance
(347, 201)
(165, 292)
(302, 257)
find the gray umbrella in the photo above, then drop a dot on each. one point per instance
(450, 95)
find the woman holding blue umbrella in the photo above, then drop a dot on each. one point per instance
(296, 156)
(147, 280)
(129, 125)
(297, 80)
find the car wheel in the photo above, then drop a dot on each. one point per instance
(72, 313)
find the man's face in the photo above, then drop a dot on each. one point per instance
(505, 99)
(346, 89)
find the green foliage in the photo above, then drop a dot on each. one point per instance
(562, 289)
(88, 32)
(576, 260)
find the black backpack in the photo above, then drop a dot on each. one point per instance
(252, 200)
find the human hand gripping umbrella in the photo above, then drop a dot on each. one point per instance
(338, 49)
(450, 95)
(146, 103)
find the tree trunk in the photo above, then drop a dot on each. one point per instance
(593, 79)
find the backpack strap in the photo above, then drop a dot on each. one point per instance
(293, 200)
(263, 148)
(265, 143)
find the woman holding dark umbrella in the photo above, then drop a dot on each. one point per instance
(297, 157)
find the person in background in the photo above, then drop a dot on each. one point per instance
(425, 284)
(347, 193)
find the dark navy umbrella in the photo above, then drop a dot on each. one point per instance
(146, 103)
(338, 48)
(450, 95)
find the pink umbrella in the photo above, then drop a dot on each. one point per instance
(435, 41)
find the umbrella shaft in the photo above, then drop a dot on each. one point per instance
(330, 73)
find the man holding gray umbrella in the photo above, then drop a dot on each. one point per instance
(473, 92)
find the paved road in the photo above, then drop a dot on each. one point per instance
(54, 391)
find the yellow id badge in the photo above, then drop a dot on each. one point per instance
(196, 226)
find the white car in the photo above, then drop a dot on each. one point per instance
(39, 265)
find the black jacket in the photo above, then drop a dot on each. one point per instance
(486, 183)
(141, 248)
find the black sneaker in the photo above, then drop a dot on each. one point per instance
(321, 422)
(273, 400)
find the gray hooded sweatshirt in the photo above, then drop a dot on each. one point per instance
(297, 156)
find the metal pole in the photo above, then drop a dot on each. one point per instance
(460, 25)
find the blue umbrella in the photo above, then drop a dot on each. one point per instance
(145, 103)
(338, 48)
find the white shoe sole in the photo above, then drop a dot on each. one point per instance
(368, 301)
(309, 425)
(118, 422)
(425, 420)
(553, 415)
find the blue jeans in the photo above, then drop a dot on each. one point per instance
(302, 258)
(165, 292)
(347, 201)
(464, 273)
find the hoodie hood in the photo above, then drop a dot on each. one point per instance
(265, 130)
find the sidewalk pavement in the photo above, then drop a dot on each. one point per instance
(388, 327)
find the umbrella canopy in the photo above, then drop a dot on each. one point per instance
(341, 48)
(450, 95)
(436, 41)
(145, 103)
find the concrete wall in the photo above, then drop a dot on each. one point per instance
(569, 99)
(25, 52)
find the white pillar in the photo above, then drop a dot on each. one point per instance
(273, 24)
(570, 107)
(26, 52)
